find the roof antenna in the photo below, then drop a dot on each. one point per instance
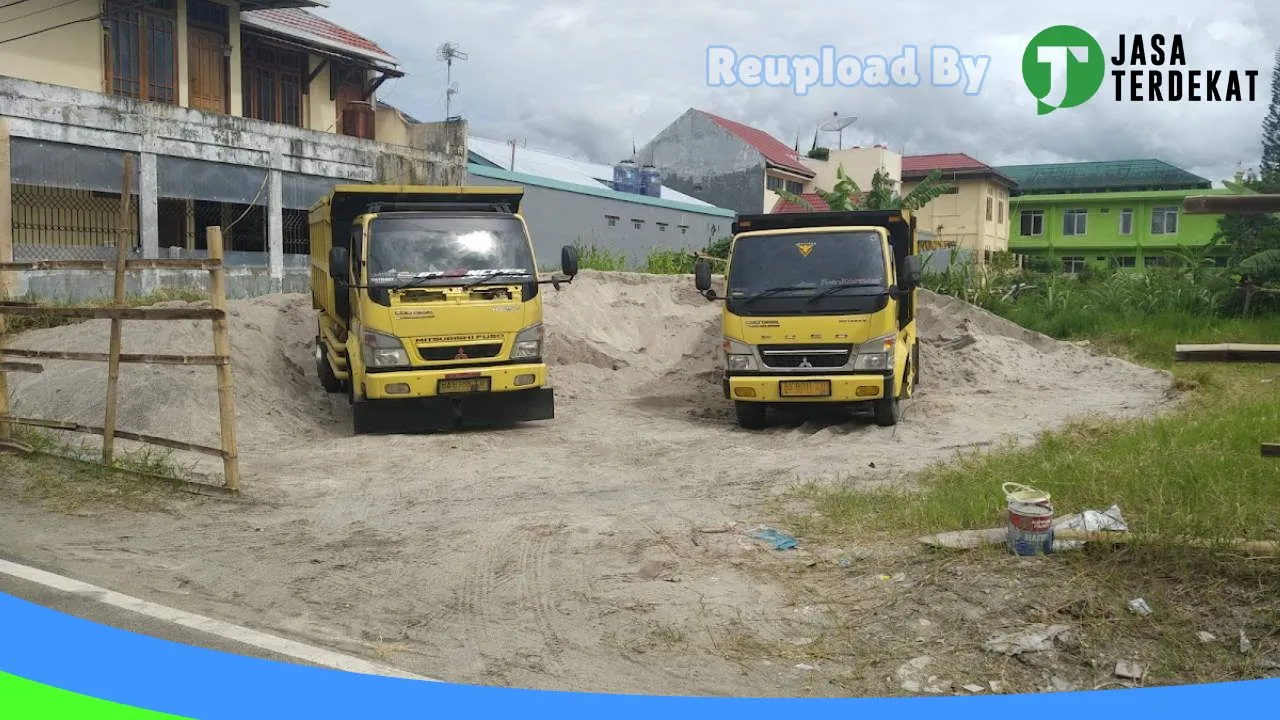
(448, 52)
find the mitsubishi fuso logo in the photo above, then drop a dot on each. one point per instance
(804, 363)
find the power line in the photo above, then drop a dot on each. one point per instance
(52, 27)
(35, 12)
(11, 4)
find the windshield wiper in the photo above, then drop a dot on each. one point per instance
(837, 288)
(772, 291)
(415, 280)
(493, 274)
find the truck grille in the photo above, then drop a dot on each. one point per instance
(445, 353)
(795, 356)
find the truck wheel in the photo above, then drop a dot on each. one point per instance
(751, 416)
(328, 380)
(888, 412)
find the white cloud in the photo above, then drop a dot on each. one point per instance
(589, 78)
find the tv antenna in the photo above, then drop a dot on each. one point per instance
(449, 52)
(837, 124)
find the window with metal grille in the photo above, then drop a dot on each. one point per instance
(1032, 223)
(1126, 221)
(1075, 222)
(773, 182)
(1164, 221)
(794, 187)
(272, 83)
(1073, 264)
(141, 49)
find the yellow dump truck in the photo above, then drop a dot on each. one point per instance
(430, 306)
(819, 308)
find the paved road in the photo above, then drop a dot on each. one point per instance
(91, 609)
(106, 607)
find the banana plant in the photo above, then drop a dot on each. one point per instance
(847, 195)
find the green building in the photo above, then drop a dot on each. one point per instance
(1125, 213)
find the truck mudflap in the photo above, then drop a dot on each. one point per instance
(444, 413)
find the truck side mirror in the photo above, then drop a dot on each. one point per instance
(702, 275)
(569, 260)
(339, 263)
(912, 272)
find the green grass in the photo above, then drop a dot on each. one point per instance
(69, 477)
(595, 257)
(1196, 472)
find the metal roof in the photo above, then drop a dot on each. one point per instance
(596, 190)
(1104, 176)
(311, 29)
(548, 165)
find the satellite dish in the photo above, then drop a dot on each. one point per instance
(838, 124)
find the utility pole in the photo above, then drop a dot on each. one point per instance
(512, 143)
(448, 52)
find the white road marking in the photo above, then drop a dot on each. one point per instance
(209, 626)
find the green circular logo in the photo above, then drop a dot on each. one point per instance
(1063, 66)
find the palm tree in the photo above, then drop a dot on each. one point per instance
(846, 195)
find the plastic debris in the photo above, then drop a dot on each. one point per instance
(1139, 606)
(1206, 637)
(780, 540)
(1036, 638)
(1090, 521)
(1245, 645)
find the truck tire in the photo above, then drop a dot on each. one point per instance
(888, 412)
(328, 380)
(751, 416)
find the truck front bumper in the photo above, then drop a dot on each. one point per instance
(419, 384)
(821, 388)
(516, 393)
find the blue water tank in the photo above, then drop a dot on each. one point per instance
(650, 181)
(626, 177)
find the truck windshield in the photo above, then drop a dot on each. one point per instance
(824, 267)
(426, 249)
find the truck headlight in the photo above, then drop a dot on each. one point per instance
(738, 356)
(382, 351)
(528, 344)
(876, 354)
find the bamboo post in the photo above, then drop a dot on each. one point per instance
(222, 348)
(6, 256)
(117, 324)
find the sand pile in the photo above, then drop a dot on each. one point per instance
(966, 346)
(633, 331)
(278, 399)
(609, 336)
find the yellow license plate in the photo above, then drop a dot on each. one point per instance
(805, 388)
(464, 385)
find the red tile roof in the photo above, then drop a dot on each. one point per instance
(953, 162)
(786, 206)
(310, 28)
(767, 145)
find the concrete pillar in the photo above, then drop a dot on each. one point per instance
(190, 224)
(275, 222)
(149, 206)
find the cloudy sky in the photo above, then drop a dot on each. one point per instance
(589, 77)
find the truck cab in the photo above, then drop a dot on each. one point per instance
(430, 306)
(819, 308)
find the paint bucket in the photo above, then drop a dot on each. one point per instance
(1030, 528)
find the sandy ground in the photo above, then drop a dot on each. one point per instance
(604, 550)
